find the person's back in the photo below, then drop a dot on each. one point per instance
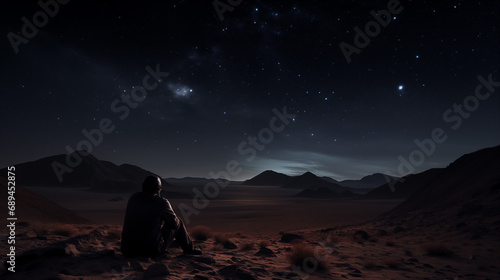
(150, 224)
(142, 227)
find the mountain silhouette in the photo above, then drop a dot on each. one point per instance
(406, 186)
(268, 178)
(97, 174)
(310, 181)
(368, 182)
(329, 179)
(470, 182)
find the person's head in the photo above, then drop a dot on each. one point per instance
(151, 184)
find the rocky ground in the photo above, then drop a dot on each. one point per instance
(377, 250)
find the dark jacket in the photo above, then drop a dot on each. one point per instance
(141, 235)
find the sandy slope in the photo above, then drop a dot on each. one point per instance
(33, 207)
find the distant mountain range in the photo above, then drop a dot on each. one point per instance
(475, 169)
(311, 185)
(105, 176)
(272, 178)
(324, 187)
(464, 197)
(97, 174)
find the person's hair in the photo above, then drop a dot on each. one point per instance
(151, 184)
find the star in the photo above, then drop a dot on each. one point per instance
(401, 90)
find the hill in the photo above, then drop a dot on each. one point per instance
(99, 175)
(469, 184)
(268, 178)
(406, 186)
(310, 181)
(368, 182)
(329, 179)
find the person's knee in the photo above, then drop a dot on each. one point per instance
(180, 222)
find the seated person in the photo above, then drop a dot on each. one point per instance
(151, 225)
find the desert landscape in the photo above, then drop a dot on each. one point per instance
(444, 227)
(347, 139)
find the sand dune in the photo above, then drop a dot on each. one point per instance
(31, 207)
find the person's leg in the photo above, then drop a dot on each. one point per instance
(168, 234)
(180, 234)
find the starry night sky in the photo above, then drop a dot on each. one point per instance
(352, 119)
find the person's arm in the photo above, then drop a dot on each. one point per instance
(168, 214)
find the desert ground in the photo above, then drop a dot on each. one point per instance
(369, 251)
(249, 209)
(281, 237)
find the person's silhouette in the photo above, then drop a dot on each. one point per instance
(151, 224)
